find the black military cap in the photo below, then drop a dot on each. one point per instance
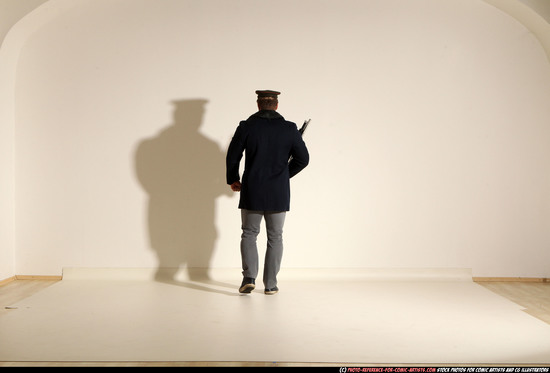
(268, 93)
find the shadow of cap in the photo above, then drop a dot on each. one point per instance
(189, 111)
(192, 102)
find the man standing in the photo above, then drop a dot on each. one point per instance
(268, 142)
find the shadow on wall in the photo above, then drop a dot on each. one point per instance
(182, 172)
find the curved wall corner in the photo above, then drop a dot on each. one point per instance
(26, 18)
(532, 14)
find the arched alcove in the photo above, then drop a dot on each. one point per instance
(429, 135)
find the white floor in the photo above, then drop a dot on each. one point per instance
(332, 320)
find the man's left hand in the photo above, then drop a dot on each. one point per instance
(236, 186)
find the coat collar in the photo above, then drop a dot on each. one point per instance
(268, 114)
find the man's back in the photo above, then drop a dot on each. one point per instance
(268, 141)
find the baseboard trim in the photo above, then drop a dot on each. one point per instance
(511, 279)
(474, 279)
(7, 280)
(30, 277)
(38, 277)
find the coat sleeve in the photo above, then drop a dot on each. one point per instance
(299, 154)
(235, 154)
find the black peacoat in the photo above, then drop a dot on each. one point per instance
(268, 141)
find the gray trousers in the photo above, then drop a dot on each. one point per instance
(274, 222)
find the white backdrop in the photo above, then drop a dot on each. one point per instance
(429, 140)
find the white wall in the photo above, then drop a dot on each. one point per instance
(429, 138)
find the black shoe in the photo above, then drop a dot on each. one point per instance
(247, 285)
(271, 291)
